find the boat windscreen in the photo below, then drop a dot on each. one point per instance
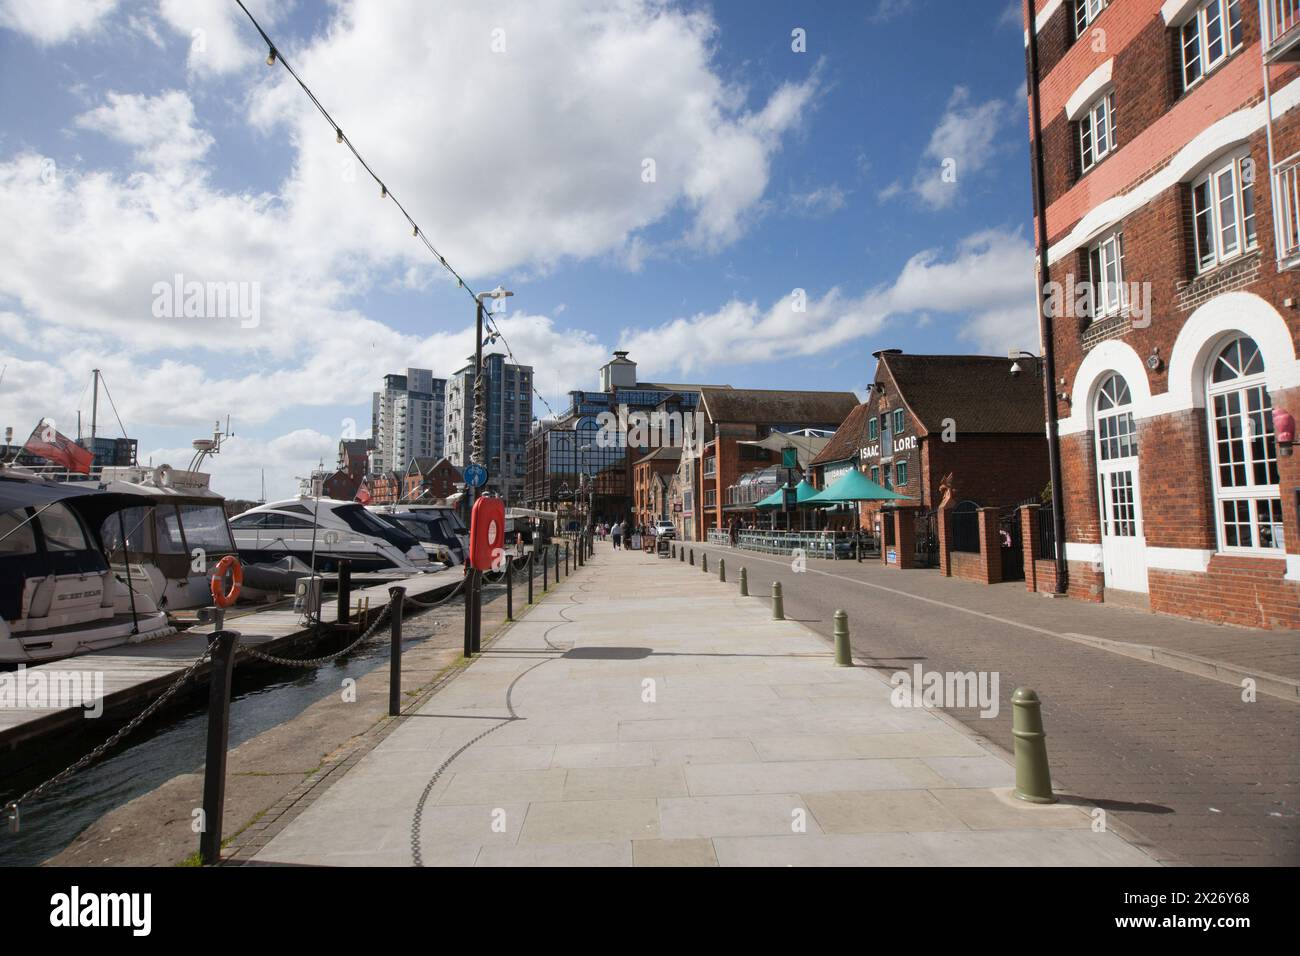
(360, 520)
(205, 527)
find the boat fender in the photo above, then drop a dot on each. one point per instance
(220, 595)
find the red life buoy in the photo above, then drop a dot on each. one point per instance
(220, 595)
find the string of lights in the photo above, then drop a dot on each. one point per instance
(275, 55)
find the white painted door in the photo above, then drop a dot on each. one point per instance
(1123, 546)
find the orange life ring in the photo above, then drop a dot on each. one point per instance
(222, 597)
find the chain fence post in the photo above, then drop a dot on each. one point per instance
(530, 576)
(344, 614)
(510, 588)
(468, 649)
(396, 598)
(214, 767)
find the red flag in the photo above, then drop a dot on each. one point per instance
(363, 493)
(56, 447)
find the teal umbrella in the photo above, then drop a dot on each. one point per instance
(854, 486)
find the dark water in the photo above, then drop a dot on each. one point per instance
(171, 743)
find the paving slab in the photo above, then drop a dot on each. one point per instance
(644, 714)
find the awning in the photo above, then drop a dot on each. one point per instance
(855, 486)
(804, 493)
(809, 446)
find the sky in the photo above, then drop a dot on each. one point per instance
(752, 193)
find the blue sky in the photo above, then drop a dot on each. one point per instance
(147, 138)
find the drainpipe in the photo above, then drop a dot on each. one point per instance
(1045, 325)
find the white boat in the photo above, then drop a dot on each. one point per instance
(438, 528)
(58, 595)
(320, 532)
(175, 531)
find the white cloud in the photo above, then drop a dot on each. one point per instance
(987, 282)
(1013, 15)
(533, 155)
(512, 161)
(221, 39)
(891, 9)
(962, 145)
(53, 21)
(818, 202)
(162, 129)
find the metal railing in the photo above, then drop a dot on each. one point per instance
(814, 544)
(1045, 546)
(1286, 192)
(1283, 18)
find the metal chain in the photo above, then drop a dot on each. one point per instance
(11, 808)
(442, 600)
(318, 661)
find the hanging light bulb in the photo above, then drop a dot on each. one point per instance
(338, 138)
(415, 231)
(270, 57)
(383, 191)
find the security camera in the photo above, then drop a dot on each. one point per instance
(1015, 369)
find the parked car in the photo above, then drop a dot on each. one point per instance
(664, 529)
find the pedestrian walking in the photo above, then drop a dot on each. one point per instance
(617, 532)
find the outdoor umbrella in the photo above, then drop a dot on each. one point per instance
(853, 486)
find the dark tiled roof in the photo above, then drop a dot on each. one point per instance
(850, 437)
(666, 453)
(978, 392)
(777, 407)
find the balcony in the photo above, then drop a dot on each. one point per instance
(1286, 207)
(1282, 32)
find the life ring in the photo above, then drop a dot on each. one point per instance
(162, 476)
(222, 597)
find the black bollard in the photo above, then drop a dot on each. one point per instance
(510, 588)
(396, 600)
(345, 592)
(530, 577)
(546, 569)
(468, 585)
(214, 767)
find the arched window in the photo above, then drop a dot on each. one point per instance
(1116, 449)
(1243, 449)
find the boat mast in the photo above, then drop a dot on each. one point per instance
(94, 408)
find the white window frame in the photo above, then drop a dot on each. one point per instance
(1249, 493)
(1209, 205)
(1085, 12)
(1109, 296)
(1194, 33)
(1100, 114)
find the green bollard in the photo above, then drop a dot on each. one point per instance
(722, 570)
(1033, 776)
(778, 606)
(843, 652)
(744, 583)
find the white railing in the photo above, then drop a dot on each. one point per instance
(1283, 17)
(1286, 210)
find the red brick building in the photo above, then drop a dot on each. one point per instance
(929, 416)
(651, 476)
(430, 479)
(734, 416)
(1171, 157)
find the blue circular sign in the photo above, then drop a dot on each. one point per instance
(475, 475)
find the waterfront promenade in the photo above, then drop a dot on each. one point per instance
(643, 713)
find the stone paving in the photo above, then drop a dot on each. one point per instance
(644, 714)
(1203, 774)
